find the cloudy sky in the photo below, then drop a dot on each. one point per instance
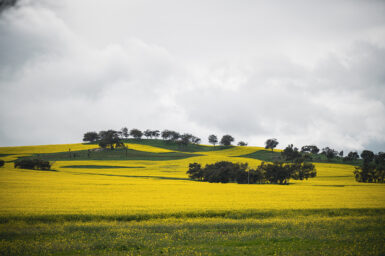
(304, 72)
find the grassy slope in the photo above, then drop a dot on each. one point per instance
(89, 210)
(116, 154)
(174, 146)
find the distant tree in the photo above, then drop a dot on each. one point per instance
(227, 140)
(276, 173)
(367, 156)
(213, 139)
(195, 140)
(303, 170)
(136, 133)
(310, 149)
(379, 159)
(170, 135)
(124, 131)
(352, 156)
(166, 134)
(174, 136)
(185, 138)
(291, 153)
(2, 163)
(195, 171)
(271, 144)
(110, 139)
(90, 137)
(341, 154)
(155, 133)
(242, 143)
(148, 133)
(329, 153)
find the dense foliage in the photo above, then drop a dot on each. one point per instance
(275, 173)
(33, 164)
(373, 168)
(271, 144)
(2, 163)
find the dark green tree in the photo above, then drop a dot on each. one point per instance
(90, 137)
(124, 131)
(271, 144)
(195, 171)
(109, 139)
(367, 156)
(290, 153)
(352, 156)
(329, 153)
(242, 144)
(136, 133)
(227, 140)
(148, 133)
(213, 139)
(310, 149)
(155, 133)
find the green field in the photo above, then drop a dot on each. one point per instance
(144, 204)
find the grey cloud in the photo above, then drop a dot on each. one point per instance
(303, 72)
(325, 105)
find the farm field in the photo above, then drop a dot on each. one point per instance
(142, 202)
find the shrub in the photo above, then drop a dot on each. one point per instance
(33, 164)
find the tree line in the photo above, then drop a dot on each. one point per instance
(113, 139)
(266, 173)
(371, 170)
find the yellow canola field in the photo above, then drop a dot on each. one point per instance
(163, 187)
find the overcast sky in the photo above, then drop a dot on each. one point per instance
(304, 72)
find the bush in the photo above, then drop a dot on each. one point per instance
(275, 173)
(372, 169)
(2, 163)
(33, 164)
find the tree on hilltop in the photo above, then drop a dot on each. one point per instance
(291, 153)
(310, 149)
(213, 139)
(148, 133)
(227, 140)
(242, 143)
(124, 131)
(329, 153)
(271, 144)
(109, 139)
(352, 156)
(155, 133)
(136, 133)
(90, 137)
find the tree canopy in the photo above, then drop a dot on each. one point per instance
(226, 140)
(271, 144)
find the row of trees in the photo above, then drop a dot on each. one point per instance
(272, 173)
(290, 153)
(112, 138)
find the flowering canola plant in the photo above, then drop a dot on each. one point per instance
(76, 187)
